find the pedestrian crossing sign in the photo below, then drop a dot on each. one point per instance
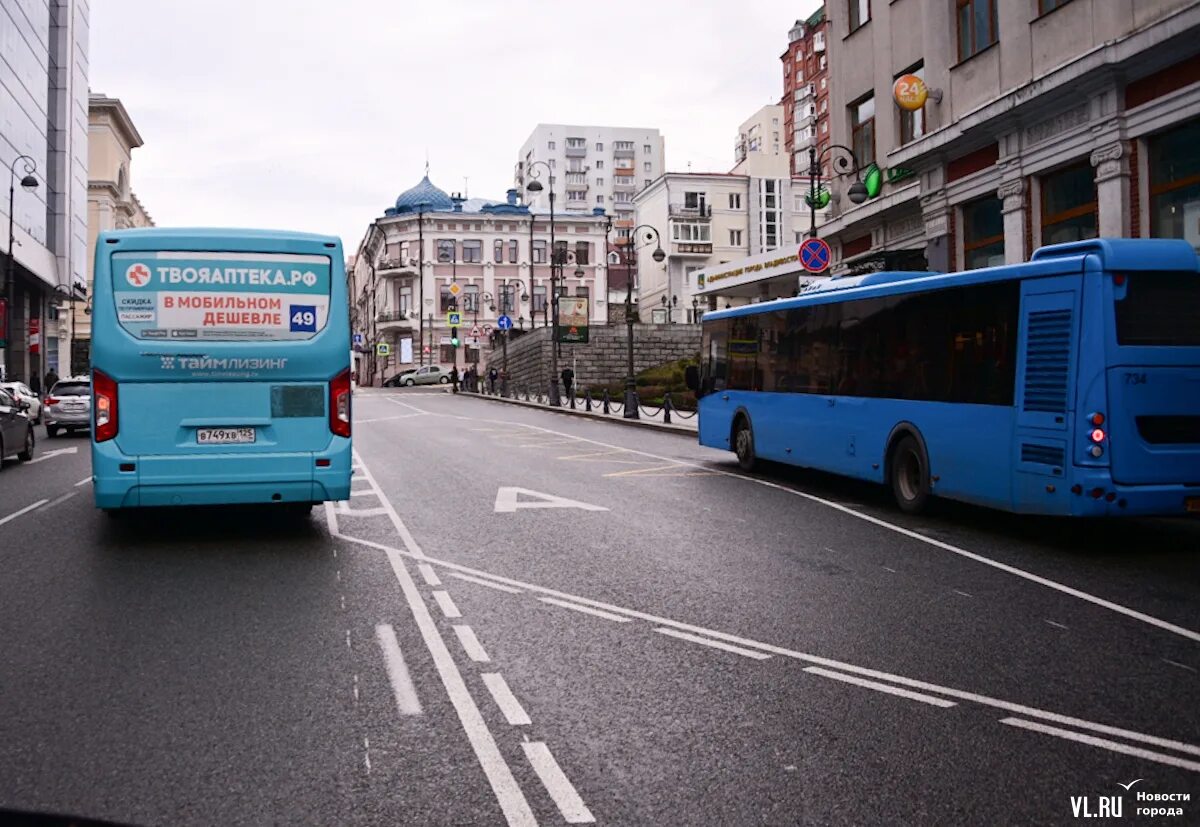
(454, 318)
(383, 349)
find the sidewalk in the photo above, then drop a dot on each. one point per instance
(648, 416)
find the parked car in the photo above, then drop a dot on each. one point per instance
(16, 429)
(23, 393)
(428, 375)
(398, 379)
(69, 406)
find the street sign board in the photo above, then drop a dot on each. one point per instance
(475, 332)
(572, 320)
(454, 288)
(454, 318)
(504, 323)
(814, 255)
(358, 338)
(425, 349)
(383, 349)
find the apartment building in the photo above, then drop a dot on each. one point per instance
(1044, 121)
(759, 140)
(43, 139)
(806, 90)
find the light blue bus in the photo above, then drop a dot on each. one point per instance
(220, 369)
(1068, 385)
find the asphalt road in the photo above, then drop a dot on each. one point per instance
(527, 617)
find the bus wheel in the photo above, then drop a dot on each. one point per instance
(743, 445)
(910, 475)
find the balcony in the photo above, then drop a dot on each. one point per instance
(692, 248)
(577, 151)
(623, 206)
(703, 211)
(393, 267)
(627, 186)
(819, 42)
(624, 153)
(394, 320)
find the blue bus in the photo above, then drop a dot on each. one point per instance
(220, 369)
(1067, 385)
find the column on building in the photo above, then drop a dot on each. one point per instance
(1112, 189)
(1012, 196)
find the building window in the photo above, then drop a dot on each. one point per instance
(862, 128)
(574, 165)
(600, 200)
(447, 354)
(539, 298)
(550, 145)
(448, 301)
(1046, 6)
(470, 297)
(912, 124)
(735, 200)
(983, 233)
(1174, 160)
(646, 166)
(646, 148)
(506, 298)
(583, 252)
(735, 238)
(599, 147)
(646, 182)
(446, 250)
(976, 26)
(405, 303)
(473, 251)
(1069, 204)
(404, 252)
(514, 252)
(582, 292)
(576, 195)
(693, 201)
(576, 143)
(599, 182)
(690, 231)
(860, 12)
(599, 164)
(539, 252)
(498, 251)
(619, 145)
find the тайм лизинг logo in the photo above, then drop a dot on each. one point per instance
(138, 275)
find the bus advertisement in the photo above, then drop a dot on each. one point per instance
(1067, 385)
(220, 369)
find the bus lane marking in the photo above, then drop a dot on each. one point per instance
(24, 510)
(514, 713)
(1103, 743)
(880, 687)
(573, 810)
(397, 671)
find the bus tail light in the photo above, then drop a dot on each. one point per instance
(105, 406)
(339, 404)
(1097, 435)
(1096, 419)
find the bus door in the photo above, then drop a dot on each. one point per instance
(1048, 333)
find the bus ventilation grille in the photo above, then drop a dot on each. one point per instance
(1042, 454)
(1047, 360)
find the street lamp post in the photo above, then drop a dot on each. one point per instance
(29, 184)
(670, 304)
(847, 162)
(536, 186)
(524, 297)
(421, 205)
(630, 407)
(695, 310)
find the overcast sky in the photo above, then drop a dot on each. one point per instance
(314, 116)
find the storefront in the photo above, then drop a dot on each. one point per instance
(1173, 161)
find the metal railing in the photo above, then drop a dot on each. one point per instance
(602, 404)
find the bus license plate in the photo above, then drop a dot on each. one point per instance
(1192, 504)
(224, 436)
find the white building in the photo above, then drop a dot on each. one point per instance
(43, 116)
(759, 147)
(497, 252)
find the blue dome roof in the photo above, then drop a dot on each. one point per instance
(423, 196)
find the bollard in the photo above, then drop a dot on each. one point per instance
(587, 400)
(667, 408)
(606, 410)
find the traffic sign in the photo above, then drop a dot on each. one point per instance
(425, 349)
(383, 349)
(454, 318)
(358, 338)
(504, 323)
(475, 332)
(454, 288)
(814, 255)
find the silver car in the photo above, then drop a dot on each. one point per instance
(428, 375)
(23, 393)
(69, 406)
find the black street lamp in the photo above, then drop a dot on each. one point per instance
(847, 162)
(695, 310)
(670, 305)
(506, 309)
(536, 186)
(29, 184)
(421, 207)
(631, 407)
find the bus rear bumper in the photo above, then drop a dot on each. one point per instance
(220, 479)
(1099, 496)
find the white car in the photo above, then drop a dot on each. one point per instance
(22, 393)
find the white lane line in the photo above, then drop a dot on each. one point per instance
(416, 411)
(83, 481)
(24, 510)
(397, 671)
(345, 510)
(410, 542)
(471, 644)
(348, 646)
(880, 687)
(715, 644)
(573, 810)
(499, 775)
(1104, 743)
(818, 660)
(383, 419)
(356, 688)
(585, 609)
(367, 753)
(1055, 624)
(63, 498)
(886, 568)
(51, 454)
(1178, 664)
(480, 581)
(446, 604)
(429, 574)
(362, 492)
(964, 594)
(514, 713)
(1190, 634)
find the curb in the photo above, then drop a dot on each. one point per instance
(633, 423)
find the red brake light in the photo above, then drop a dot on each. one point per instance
(1118, 279)
(1097, 419)
(339, 404)
(104, 406)
(1097, 435)
(51, 400)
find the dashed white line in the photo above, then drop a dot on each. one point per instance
(348, 639)
(61, 499)
(356, 688)
(715, 644)
(566, 604)
(1178, 664)
(365, 492)
(409, 541)
(880, 687)
(397, 671)
(964, 594)
(889, 568)
(480, 581)
(1104, 743)
(471, 644)
(24, 510)
(1055, 624)
(367, 753)
(446, 604)
(83, 481)
(429, 574)
(514, 713)
(573, 810)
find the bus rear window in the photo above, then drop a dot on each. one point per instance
(1159, 309)
(221, 296)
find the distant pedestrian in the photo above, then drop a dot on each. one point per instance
(568, 380)
(51, 379)
(35, 384)
(471, 379)
(493, 374)
(454, 379)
